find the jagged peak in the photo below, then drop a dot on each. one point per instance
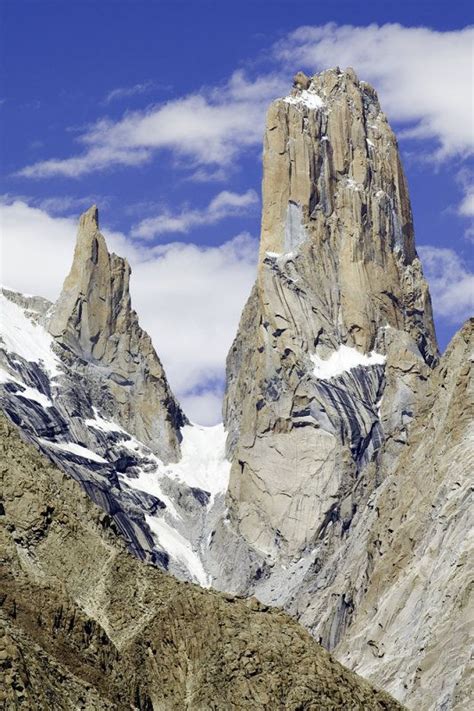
(90, 219)
(93, 318)
(327, 85)
(91, 245)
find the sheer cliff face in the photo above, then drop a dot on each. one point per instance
(411, 616)
(334, 186)
(337, 338)
(84, 625)
(93, 319)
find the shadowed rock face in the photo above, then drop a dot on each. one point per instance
(64, 406)
(84, 625)
(407, 568)
(338, 281)
(93, 319)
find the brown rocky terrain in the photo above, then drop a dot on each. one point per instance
(85, 625)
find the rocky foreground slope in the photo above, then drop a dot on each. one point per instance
(339, 489)
(84, 625)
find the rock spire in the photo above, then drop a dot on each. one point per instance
(338, 335)
(93, 318)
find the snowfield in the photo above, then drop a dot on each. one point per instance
(343, 360)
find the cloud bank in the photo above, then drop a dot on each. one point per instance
(210, 127)
(225, 204)
(451, 283)
(423, 78)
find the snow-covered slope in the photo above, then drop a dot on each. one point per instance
(165, 511)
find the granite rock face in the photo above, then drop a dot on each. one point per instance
(84, 625)
(337, 338)
(393, 598)
(409, 566)
(93, 319)
(349, 473)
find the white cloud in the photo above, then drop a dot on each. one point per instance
(451, 283)
(124, 92)
(225, 204)
(210, 127)
(66, 204)
(56, 204)
(189, 298)
(423, 77)
(206, 406)
(466, 207)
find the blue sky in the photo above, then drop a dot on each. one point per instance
(154, 110)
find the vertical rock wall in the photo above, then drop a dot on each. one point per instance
(93, 319)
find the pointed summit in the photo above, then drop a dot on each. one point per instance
(337, 337)
(95, 298)
(90, 218)
(93, 318)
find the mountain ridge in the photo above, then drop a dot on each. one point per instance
(329, 489)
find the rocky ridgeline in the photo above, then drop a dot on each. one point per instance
(84, 383)
(347, 443)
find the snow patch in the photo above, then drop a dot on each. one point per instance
(343, 360)
(25, 390)
(25, 338)
(148, 480)
(305, 98)
(35, 395)
(178, 548)
(203, 463)
(99, 423)
(76, 449)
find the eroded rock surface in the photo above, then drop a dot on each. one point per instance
(349, 478)
(84, 625)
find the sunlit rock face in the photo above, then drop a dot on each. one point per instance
(351, 443)
(338, 281)
(93, 319)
